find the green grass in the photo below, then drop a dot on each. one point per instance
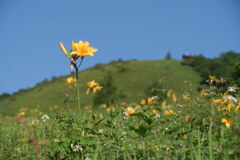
(141, 135)
(131, 77)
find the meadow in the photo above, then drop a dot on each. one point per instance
(176, 121)
(193, 125)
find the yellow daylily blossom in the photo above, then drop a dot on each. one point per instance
(130, 110)
(216, 100)
(64, 50)
(82, 49)
(168, 112)
(94, 86)
(154, 111)
(149, 100)
(70, 81)
(186, 98)
(163, 105)
(226, 121)
(174, 98)
(143, 102)
(237, 108)
(103, 105)
(187, 117)
(169, 92)
(230, 106)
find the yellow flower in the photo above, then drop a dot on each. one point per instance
(203, 92)
(186, 98)
(82, 49)
(163, 105)
(130, 111)
(154, 111)
(168, 112)
(149, 100)
(230, 106)
(94, 86)
(109, 109)
(237, 108)
(226, 121)
(103, 105)
(169, 92)
(97, 88)
(174, 98)
(216, 100)
(70, 81)
(187, 117)
(143, 102)
(21, 114)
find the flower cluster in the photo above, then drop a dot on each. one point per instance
(80, 49)
(76, 148)
(92, 85)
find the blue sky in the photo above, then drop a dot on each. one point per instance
(30, 32)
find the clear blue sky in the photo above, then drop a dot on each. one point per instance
(30, 32)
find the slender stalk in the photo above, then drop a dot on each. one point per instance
(79, 102)
(210, 138)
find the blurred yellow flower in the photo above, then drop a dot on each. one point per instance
(163, 105)
(21, 114)
(82, 49)
(227, 122)
(94, 86)
(204, 92)
(230, 106)
(168, 112)
(216, 100)
(237, 108)
(186, 98)
(149, 100)
(143, 102)
(103, 105)
(154, 111)
(174, 98)
(70, 81)
(130, 111)
(169, 92)
(187, 117)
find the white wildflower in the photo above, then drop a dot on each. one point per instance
(232, 88)
(230, 98)
(45, 118)
(157, 115)
(124, 133)
(100, 131)
(35, 121)
(88, 158)
(76, 148)
(154, 97)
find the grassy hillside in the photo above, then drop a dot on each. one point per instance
(131, 77)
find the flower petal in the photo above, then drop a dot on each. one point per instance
(64, 50)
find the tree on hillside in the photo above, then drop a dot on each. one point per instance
(109, 94)
(236, 74)
(168, 56)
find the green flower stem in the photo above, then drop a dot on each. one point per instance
(78, 88)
